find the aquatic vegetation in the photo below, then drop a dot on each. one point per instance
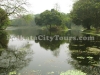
(73, 72)
(89, 57)
(12, 73)
(80, 57)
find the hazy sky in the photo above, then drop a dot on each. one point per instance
(38, 6)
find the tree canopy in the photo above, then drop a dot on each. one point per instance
(86, 13)
(53, 19)
(47, 17)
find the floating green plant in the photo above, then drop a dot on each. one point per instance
(12, 73)
(73, 72)
(89, 57)
(80, 57)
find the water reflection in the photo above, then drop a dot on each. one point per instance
(58, 38)
(86, 55)
(47, 44)
(51, 44)
(12, 60)
(89, 70)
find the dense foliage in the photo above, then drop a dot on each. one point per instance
(4, 20)
(86, 13)
(52, 18)
(25, 20)
(47, 17)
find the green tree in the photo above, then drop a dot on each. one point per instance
(9, 8)
(66, 20)
(24, 20)
(28, 17)
(52, 17)
(4, 20)
(86, 13)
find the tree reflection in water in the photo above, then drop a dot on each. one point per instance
(52, 45)
(12, 59)
(86, 55)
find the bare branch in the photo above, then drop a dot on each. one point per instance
(14, 6)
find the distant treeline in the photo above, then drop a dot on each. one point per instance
(48, 17)
(25, 20)
(30, 20)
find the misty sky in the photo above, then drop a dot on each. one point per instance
(38, 6)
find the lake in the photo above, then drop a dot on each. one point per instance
(32, 51)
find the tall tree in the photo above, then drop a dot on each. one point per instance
(52, 17)
(86, 12)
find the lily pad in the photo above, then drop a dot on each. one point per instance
(73, 72)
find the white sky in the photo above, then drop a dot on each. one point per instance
(38, 6)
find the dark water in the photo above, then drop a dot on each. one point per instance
(29, 52)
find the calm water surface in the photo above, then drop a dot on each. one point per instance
(22, 54)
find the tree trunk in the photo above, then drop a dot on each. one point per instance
(47, 27)
(50, 29)
(88, 27)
